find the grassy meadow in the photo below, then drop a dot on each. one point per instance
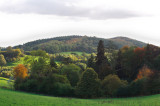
(13, 64)
(14, 98)
(67, 53)
(6, 83)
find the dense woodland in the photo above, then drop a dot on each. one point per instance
(105, 72)
(78, 43)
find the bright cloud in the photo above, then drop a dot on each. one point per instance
(25, 20)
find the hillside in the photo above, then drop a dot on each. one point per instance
(121, 41)
(78, 43)
(14, 98)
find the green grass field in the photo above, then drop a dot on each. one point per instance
(13, 64)
(5, 84)
(67, 53)
(14, 98)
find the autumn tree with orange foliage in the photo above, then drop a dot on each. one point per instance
(20, 71)
(144, 72)
(140, 52)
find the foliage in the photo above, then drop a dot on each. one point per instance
(111, 83)
(122, 41)
(129, 62)
(135, 88)
(11, 54)
(153, 83)
(72, 72)
(83, 66)
(66, 44)
(100, 53)
(53, 84)
(20, 71)
(144, 72)
(102, 65)
(91, 62)
(105, 70)
(67, 74)
(39, 67)
(89, 84)
(39, 52)
(2, 61)
(52, 62)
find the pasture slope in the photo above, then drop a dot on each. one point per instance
(6, 83)
(14, 98)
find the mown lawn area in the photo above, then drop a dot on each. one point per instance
(14, 98)
(6, 83)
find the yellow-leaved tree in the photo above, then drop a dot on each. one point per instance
(144, 72)
(20, 71)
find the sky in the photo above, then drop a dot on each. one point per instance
(27, 20)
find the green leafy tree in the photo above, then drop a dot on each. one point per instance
(40, 67)
(39, 52)
(9, 49)
(105, 70)
(89, 84)
(83, 66)
(73, 73)
(2, 61)
(67, 60)
(111, 83)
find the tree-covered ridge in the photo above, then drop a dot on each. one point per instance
(77, 43)
(122, 41)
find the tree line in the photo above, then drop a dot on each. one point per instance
(129, 71)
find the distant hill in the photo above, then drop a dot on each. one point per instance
(121, 41)
(78, 43)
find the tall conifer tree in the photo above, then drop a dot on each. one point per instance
(100, 53)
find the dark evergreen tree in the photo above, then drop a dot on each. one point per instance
(100, 53)
(118, 67)
(102, 64)
(53, 63)
(91, 62)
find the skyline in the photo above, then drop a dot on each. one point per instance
(28, 20)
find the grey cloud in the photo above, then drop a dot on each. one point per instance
(59, 7)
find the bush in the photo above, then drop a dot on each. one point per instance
(89, 85)
(111, 83)
(135, 88)
(54, 84)
(73, 73)
(153, 83)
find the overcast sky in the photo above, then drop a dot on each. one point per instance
(27, 20)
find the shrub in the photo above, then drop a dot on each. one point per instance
(111, 83)
(135, 88)
(54, 84)
(153, 83)
(73, 73)
(89, 84)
